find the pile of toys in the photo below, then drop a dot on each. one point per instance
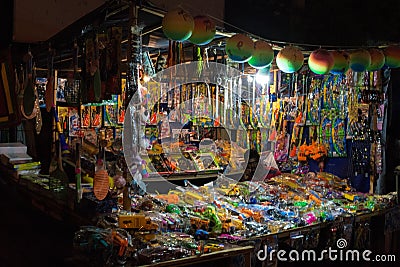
(191, 220)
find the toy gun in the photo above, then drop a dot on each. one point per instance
(121, 241)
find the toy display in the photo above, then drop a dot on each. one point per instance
(307, 118)
(210, 218)
(284, 154)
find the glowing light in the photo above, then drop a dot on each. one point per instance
(146, 78)
(262, 76)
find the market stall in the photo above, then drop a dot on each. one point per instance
(246, 146)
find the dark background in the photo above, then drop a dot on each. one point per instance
(339, 22)
(6, 22)
(317, 22)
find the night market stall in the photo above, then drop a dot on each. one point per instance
(186, 144)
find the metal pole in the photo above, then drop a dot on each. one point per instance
(129, 92)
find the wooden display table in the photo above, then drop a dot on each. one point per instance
(210, 259)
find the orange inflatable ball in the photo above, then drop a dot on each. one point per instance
(290, 59)
(178, 25)
(392, 56)
(360, 60)
(377, 59)
(204, 30)
(341, 62)
(239, 48)
(321, 61)
(262, 55)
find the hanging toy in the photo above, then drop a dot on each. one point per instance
(143, 169)
(199, 60)
(262, 55)
(161, 63)
(38, 118)
(392, 56)
(178, 25)
(377, 59)
(27, 105)
(203, 31)
(101, 182)
(360, 60)
(290, 59)
(239, 48)
(341, 62)
(321, 61)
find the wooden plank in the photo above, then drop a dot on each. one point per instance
(208, 257)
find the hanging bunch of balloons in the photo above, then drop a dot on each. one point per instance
(179, 25)
(322, 61)
(241, 48)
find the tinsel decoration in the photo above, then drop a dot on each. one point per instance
(134, 62)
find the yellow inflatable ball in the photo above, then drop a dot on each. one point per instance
(262, 55)
(239, 48)
(392, 56)
(341, 62)
(290, 59)
(178, 25)
(360, 60)
(377, 59)
(203, 32)
(321, 61)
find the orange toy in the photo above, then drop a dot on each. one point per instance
(301, 156)
(101, 184)
(170, 198)
(316, 151)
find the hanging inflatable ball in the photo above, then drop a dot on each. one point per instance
(321, 61)
(262, 55)
(341, 62)
(392, 56)
(360, 60)
(178, 25)
(204, 30)
(290, 59)
(377, 59)
(239, 48)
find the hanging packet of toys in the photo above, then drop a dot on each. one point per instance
(74, 125)
(95, 116)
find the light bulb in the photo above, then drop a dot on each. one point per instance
(262, 76)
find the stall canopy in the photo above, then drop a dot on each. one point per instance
(36, 21)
